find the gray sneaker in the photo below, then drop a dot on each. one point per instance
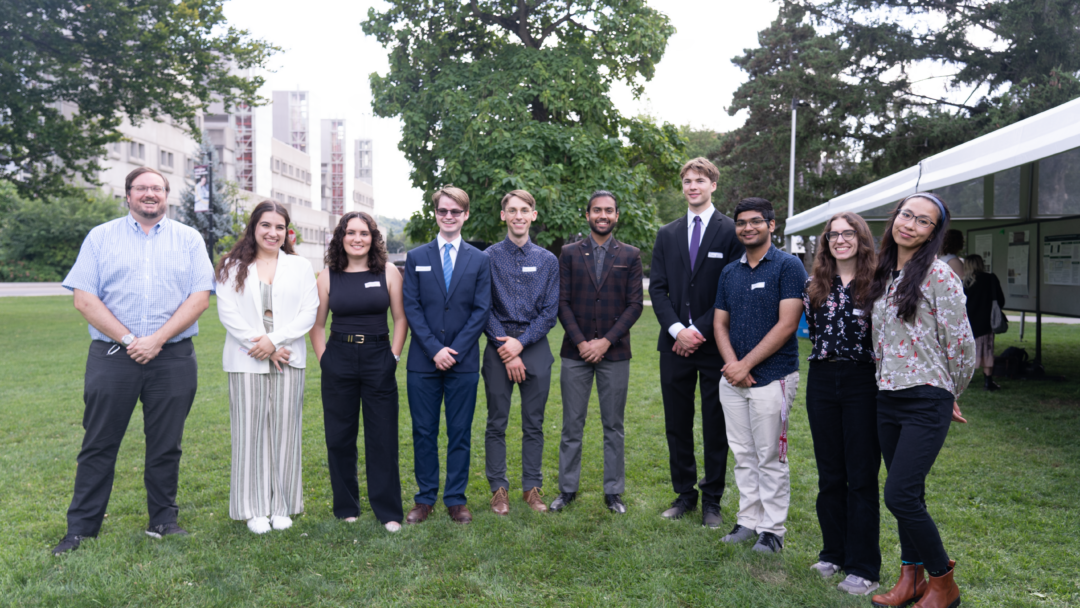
(768, 543)
(165, 530)
(826, 569)
(739, 534)
(857, 585)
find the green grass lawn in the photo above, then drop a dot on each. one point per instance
(1004, 493)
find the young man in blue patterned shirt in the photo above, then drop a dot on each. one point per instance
(524, 305)
(758, 306)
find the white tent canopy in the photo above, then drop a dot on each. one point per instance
(1051, 132)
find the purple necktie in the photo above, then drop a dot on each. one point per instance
(694, 238)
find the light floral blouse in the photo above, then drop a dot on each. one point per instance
(937, 348)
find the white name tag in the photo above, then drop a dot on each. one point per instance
(760, 285)
(528, 269)
(858, 313)
(423, 269)
(716, 254)
(372, 284)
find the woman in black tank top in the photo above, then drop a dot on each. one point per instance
(358, 362)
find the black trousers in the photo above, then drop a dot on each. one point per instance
(911, 432)
(359, 377)
(841, 405)
(113, 385)
(678, 375)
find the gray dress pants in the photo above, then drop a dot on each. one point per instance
(534, 393)
(612, 379)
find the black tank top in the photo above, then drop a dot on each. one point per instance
(359, 301)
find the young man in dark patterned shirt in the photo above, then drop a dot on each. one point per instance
(524, 304)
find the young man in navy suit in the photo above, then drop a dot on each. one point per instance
(447, 302)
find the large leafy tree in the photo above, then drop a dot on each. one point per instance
(71, 72)
(862, 66)
(504, 94)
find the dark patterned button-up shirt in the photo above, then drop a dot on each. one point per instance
(837, 328)
(524, 291)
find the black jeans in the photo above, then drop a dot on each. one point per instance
(359, 377)
(841, 405)
(113, 385)
(912, 426)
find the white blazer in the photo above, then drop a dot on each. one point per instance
(295, 303)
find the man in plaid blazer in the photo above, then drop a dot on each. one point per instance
(600, 299)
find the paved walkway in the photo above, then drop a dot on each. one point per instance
(32, 289)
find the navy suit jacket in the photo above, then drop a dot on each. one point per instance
(437, 317)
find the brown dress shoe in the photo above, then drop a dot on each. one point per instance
(418, 513)
(460, 514)
(532, 497)
(500, 502)
(908, 588)
(942, 592)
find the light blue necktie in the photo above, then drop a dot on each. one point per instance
(447, 265)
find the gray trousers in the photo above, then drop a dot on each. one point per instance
(612, 379)
(534, 393)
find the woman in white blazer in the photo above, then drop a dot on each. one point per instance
(267, 300)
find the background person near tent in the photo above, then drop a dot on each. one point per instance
(982, 290)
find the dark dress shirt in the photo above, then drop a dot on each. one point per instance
(524, 291)
(752, 296)
(837, 328)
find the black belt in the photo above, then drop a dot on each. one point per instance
(840, 360)
(514, 332)
(359, 338)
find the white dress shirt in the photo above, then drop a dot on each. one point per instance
(705, 216)
(455, 246)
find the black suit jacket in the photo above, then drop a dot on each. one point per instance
(679, 295)
(606, 309)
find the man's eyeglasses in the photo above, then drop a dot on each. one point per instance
(848, 235)
(756, 222)
(441, 212)
(142, 189)
(921, 221)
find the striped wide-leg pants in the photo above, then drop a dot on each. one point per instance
(265, 412)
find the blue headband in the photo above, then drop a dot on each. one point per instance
(932, 197)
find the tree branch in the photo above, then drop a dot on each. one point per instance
(941, 101)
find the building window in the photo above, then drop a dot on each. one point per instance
(277, 166)
(280, 197)
(1059, 184)
(292, 200)
(137, 151)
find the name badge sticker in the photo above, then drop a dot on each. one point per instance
(423, 269)
(858, 312)
(371, 284)
(716, 254)
(760, 285)
(528, 269)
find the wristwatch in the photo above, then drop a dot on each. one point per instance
(128, 339)
(397, 358)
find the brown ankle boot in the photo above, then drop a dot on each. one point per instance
(908, 588)
(942, 592)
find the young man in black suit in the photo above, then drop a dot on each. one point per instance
(687, 260)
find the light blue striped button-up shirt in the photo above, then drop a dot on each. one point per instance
(142, 278)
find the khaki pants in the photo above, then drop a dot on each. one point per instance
(753, 418)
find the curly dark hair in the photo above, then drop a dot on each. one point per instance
(243, 252)
(909, 292)
(825, 264)
(337, 260)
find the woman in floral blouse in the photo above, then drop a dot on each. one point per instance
(841, 403)
(925, 356)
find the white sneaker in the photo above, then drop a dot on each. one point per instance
(825, 569)
(280, 522)
(857, 585)
(392, 526)
(259, 525)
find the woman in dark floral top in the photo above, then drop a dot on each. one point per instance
(841, 403)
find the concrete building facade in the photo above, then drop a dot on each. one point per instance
(333, 165)
(363, 177)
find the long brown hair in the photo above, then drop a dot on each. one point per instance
(825, 264)
(338, 261)
(243, 252)
(909, 292)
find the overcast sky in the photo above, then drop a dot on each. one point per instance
(326, 53)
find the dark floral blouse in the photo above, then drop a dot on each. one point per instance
(837, 328)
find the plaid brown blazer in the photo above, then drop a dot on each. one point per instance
(589, 310)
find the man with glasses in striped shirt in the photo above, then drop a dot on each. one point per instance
(140, 281)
